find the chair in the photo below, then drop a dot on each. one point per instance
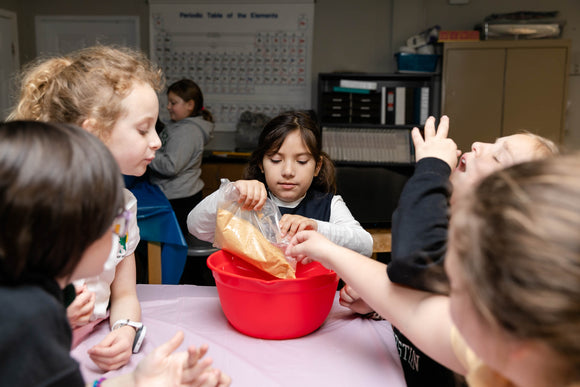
(196, 271)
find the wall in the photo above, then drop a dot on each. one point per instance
(426, 13)
(28, 9)
(349, 35)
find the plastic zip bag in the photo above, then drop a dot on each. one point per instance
(253, 236)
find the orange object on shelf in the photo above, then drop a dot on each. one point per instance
(458, 36)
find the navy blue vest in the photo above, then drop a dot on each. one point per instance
(315, 205)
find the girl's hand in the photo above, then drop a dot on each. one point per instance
(81, 309)
(115, 350)
(291, 224)
(436, 144)
(308, 246)
(349, 298)
(253, 194)
(162, 367)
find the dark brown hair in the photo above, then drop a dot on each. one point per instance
(188, 90)
(272, 137)
(60, 190)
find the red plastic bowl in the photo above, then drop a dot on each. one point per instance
(260, 305)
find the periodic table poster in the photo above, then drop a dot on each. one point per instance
(244, 57)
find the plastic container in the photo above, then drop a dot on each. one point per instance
(416, 63)
(260, 305)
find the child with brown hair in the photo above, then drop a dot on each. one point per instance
(53, 178)
(290, 168)
(176, 168)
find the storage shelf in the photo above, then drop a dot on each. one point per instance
(377, 103)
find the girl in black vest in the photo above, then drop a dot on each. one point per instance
(290, 168)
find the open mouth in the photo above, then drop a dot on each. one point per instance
(461, 165)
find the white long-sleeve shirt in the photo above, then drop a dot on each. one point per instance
(342, 228)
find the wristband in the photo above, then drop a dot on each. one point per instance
(140, 330)
(372, 316)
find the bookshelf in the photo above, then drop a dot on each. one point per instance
(372, 152)
(367, 118)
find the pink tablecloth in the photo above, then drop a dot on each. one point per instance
(345, 351)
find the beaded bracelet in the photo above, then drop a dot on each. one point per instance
(373, 316)
(97, 383)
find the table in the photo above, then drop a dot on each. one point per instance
(346, 351)
(167, 248)
(381, 239)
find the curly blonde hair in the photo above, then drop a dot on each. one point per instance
(88, 83)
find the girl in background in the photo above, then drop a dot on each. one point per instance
(290, 168)
(513, 263)
(176, 168)
(110, 92)
(53, 178)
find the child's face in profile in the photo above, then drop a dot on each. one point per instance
(486, 158)
(133, 140)
(290, 171)
(178, 109)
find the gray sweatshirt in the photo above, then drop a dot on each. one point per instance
(176, 168)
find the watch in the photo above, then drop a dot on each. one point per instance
(140, 330)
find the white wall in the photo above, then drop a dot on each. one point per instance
(349, 35)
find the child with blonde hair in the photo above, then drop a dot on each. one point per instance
(513, 263)
(53, 178)
(420, 222)
(110, 92)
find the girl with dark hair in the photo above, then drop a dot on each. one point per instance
(290, 168)
(53, 178)
(176, 168)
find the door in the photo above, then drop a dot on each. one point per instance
(535, 89)
(8, 59)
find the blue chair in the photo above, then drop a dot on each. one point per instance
(159, 227)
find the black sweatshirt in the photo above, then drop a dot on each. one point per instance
(419, 243)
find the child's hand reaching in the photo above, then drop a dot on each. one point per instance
(291, 224)
(436, 144)
(253, 194)
(162, 367)
(81, 309)
(349, 298)
(308, 246)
